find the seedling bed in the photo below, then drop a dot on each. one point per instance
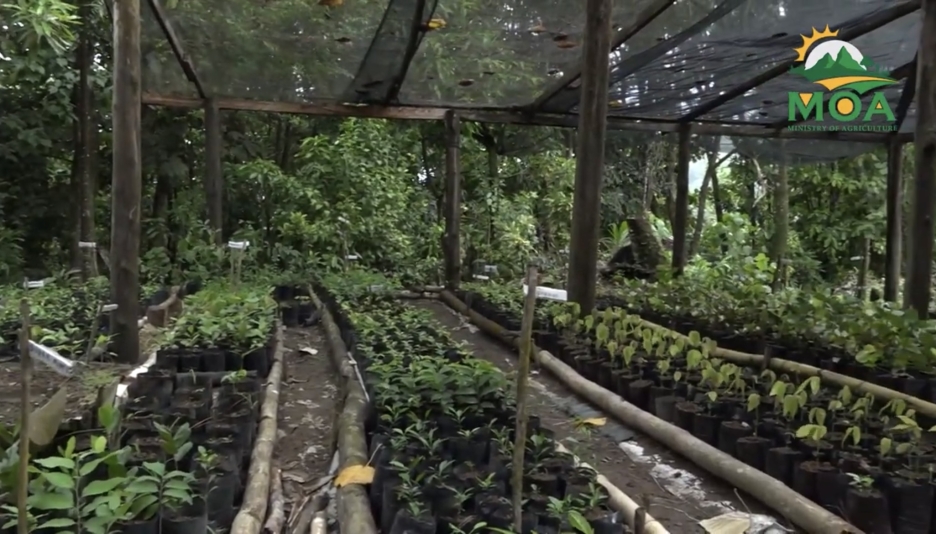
(868, 460)
(441, 429)
(177, 457)
(870, 341)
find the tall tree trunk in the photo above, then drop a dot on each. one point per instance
(781, 205)
(77, 190)
(86, 127)
(714, 162)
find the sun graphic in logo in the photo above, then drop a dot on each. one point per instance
(836, 64)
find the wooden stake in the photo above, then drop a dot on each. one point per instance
(22, 490)
(523, 372)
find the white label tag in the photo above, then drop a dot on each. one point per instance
(375, 288)
(548, 293)
(52, 359)
(490, 269)
(108, 308)
(87, 244)
(34, 284)
(481, 277)
(238, 245)
(352, 257)
(342, 219)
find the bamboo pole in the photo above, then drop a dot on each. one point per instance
(249, 519)
(523, 375)
(354, 511)
(801, 511)
(22, 482)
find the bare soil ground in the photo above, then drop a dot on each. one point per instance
(674, 491)
(308, 409)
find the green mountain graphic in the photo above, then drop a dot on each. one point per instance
(844, 66)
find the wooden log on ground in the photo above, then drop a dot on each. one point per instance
(620, 501)
(354, 510)
(277, 517)
(253, 511)
(794, 507)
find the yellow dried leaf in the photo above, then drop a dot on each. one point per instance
(330, 3)
(355, 474)
(594, 421)
(435, 23)
(615, 104)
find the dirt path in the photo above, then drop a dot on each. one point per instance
(308, 408)
(675, 492)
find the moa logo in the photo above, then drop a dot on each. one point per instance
(846, 74)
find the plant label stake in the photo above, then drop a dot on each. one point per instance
(237, 257)
(548, 293)
(523, 372)
(33, 284)
(50, 358)
(26, 406)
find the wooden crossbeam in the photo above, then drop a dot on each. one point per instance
(504, 116)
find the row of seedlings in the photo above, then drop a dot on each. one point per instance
(198, 405)
(441, 432)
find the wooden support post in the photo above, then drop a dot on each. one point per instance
(918, 285)
(682, 199)
(451, 245)
(894, 216)
(523, 375)
(126, 182)
(589, 158)
(214, 181)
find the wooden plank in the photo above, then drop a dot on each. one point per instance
(451, 245)
(569, 80)
(505, 116)
(918, 284)
(589, 158)
(868, 25)
(176, 44)
(126, 181)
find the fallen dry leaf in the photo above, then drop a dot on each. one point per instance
(47, 419)
(435, 23)
(355, 474)
(594, 421)
(330, 3)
